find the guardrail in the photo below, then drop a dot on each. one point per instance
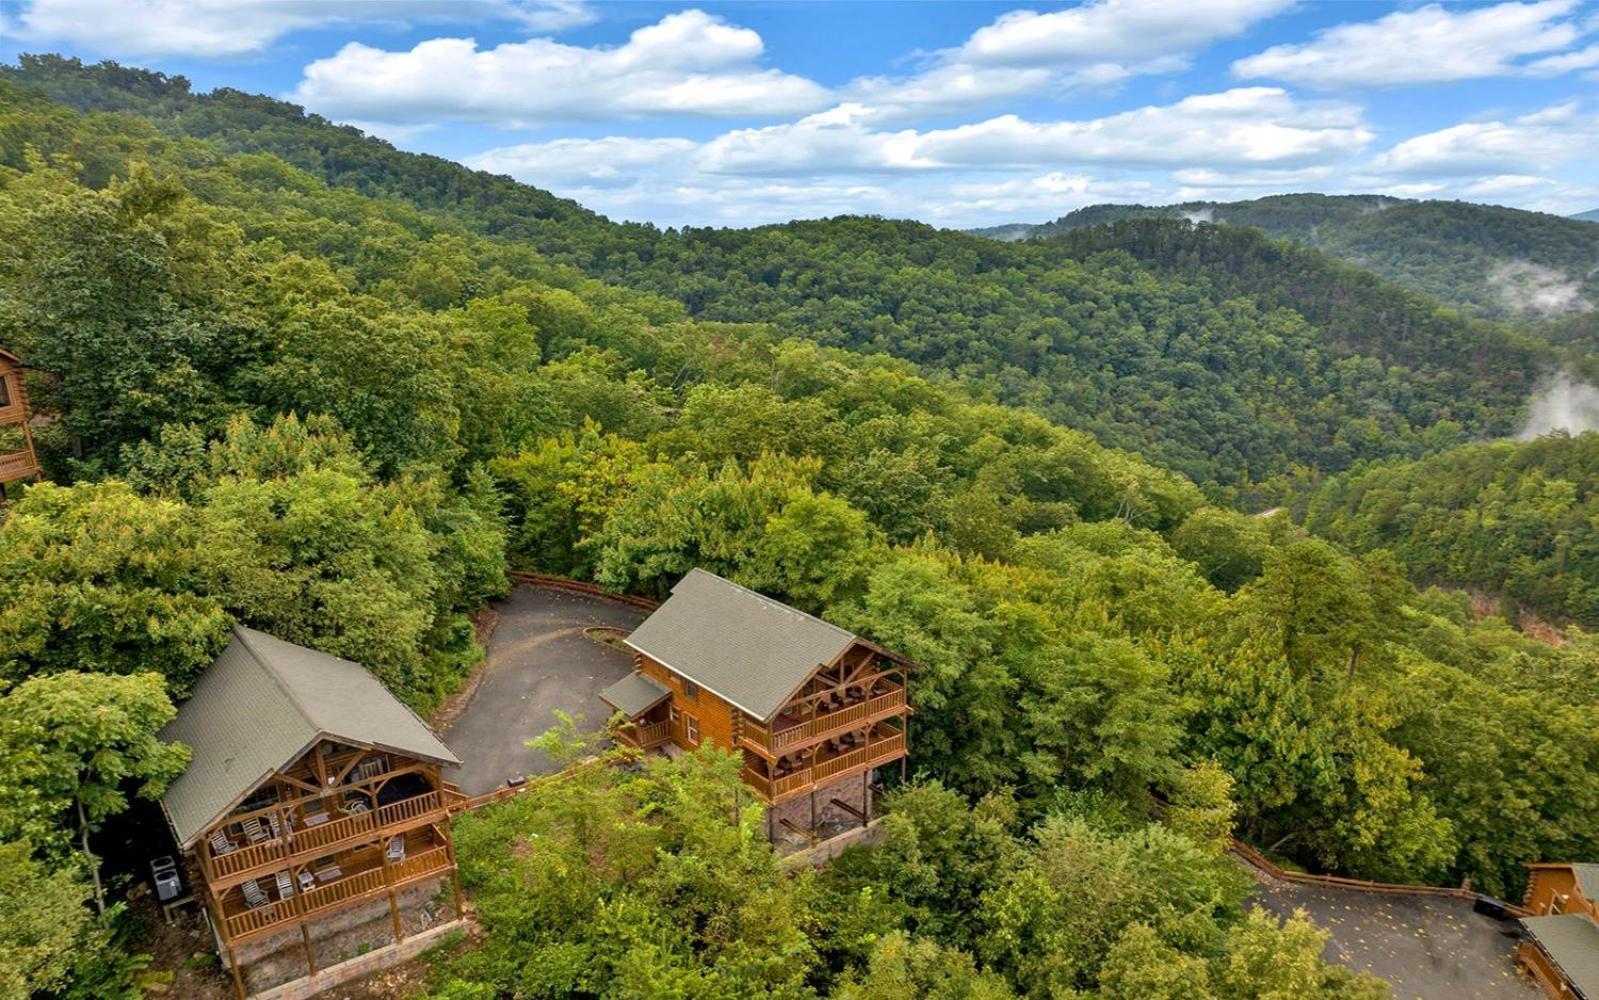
(581, 587)
(1260, 862)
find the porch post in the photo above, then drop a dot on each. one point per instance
(310, 952)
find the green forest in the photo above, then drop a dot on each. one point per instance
(301, 381)
(1484, 260)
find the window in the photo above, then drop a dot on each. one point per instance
(691, 691)
(691, 728)
(5, 391)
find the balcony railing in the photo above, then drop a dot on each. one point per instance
(420, 865)
(16, 464)
(312, 901)
(644, 735)
(877, 752)
(325, 838)
(824, 725)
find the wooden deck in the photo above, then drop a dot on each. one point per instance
(362, 876)
(827, 770)
(782, 739)
(224, 871)
(17, 465)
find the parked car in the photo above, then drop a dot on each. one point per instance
(168, 880)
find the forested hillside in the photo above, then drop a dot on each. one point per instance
(1514, 519)
(1487, 261)
(1227, 371)
(339, 415)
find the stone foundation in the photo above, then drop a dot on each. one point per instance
(830, 819)
(364, 965)
(343, 935)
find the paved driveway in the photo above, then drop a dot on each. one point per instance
(538, 660)
(1427, 948)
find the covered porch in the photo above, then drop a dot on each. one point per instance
(645, 706)
(838, 757)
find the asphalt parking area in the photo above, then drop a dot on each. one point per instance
(1425, 947)
(538, 661)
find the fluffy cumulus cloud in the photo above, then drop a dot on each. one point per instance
(1251, 126)
(223, 28)
(1431, 44)
(690, 63)
(1095, 46)
(1562, 134)
(1127, 32)
(964, 174)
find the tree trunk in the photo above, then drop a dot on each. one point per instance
(94, 862)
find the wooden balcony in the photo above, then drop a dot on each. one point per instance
(17, 465)
(363, 879)
(248, 861)
(827, 724)
(644, 735)
(826, 770)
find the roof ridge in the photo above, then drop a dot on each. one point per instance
(774, 602)
(244, 634)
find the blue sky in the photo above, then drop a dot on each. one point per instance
(956, 113)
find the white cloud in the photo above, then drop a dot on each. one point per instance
(588, 163)
(223, 28)
(1112, 31)
(1095, 46)
(1254, 126)
(1531, 144)
(1426, 45)
(1566, 62)
(689, 63)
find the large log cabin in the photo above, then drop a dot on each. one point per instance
(310, 791)
(814, 709)
(1560, 944)
(17, 457)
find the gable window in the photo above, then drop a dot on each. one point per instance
(691, 691)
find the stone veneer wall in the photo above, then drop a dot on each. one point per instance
(830, 819)
(363, 965)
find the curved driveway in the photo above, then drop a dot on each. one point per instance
(538, 661)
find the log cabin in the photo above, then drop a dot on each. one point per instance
(814, 710)
(310, 791)
(1560, 944)
(17, 457)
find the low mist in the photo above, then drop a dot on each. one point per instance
(1537, 290)
(1561, 403)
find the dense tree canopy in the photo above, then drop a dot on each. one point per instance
(335, 393)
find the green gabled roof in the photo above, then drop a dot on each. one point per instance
(261, 706)
(741, 646)
(1571, 940)
(635, 694)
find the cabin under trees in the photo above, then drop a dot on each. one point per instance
(313, 799)
(17, 457)
(814, 709)
(1560, 944)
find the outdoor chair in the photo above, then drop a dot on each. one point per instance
(396, 850)
(255, 897)
(371, 768)
(329, 873)
(285, 885)
(220, 844)
(254, 831)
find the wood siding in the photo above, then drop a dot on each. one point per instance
(715, 719)
(1555, 889)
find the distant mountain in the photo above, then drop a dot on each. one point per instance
(1592, 215)
(1492, 262)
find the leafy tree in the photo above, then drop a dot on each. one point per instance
(44, 922)
(78, 738)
